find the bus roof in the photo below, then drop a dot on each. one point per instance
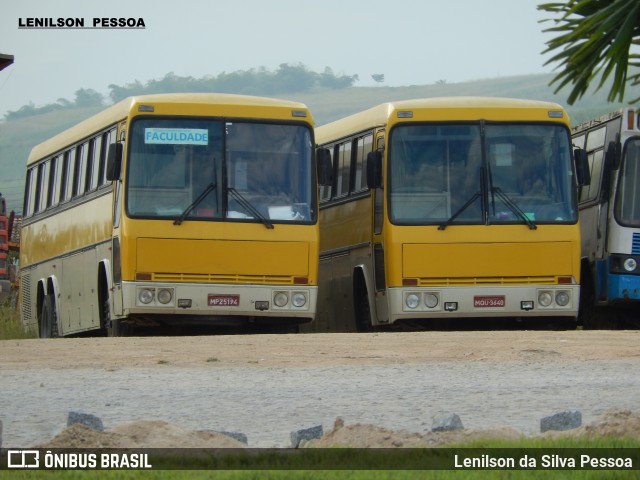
(199, 104)
(446, 109)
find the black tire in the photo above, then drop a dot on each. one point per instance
(48, 318)
(363, 311)
(114, 328)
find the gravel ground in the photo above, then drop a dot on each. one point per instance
(266, 386)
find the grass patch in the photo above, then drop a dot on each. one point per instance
(371, 464)
(10, 327)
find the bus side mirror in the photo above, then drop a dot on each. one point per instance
(613, 154)
(114, 161)
(374, 169)
(582, 166)
(325, 172)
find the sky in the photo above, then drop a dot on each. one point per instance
(411, 42)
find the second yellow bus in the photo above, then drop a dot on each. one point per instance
(447, 208)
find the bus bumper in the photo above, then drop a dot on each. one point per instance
(292, 301)
(489, 301)
(623, 287)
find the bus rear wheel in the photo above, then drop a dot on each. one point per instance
(48, 318)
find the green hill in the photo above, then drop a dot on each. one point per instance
(17, 137)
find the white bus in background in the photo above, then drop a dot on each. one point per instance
(610, 219)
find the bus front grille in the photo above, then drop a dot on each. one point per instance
(635, 244)
(465, 281)
(218, 278)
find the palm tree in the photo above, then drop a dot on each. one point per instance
(595, 39)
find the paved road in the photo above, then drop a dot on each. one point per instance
(268, 402)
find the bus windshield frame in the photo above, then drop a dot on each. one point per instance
(627, 201)
(480, 173)
(213, 169)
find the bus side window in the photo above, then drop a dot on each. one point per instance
(30, 194)
(80, 170)
(43, 184)
(364, 145)
(325, 190)
(344, 169)
(595, 155)
(51, 190)
(93, 171)
(107, 139)
(66, 174)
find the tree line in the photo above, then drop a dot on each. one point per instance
(256, 81)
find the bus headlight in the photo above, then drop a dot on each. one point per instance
(545, 298)
(145, 295)
(630, 264)
(298, 299)
(165, 295)
(431, 300)
(280, 299)
(412, 301)
(562, 298)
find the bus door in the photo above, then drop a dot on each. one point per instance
(381, 310)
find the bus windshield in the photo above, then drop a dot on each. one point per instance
(480, 174)
(627, 208)
(185, 169)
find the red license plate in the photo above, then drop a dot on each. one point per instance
(223, 300)
(488, 301)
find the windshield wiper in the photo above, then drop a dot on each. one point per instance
(513, 207)
(244, 203)
(459, 212)
(187, 211)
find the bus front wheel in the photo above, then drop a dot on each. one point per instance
(114, 327)
(363, 311)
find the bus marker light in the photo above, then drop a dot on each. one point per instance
(555, 114)
(262, 305)
(566, 280)
(451, 306)
(184, 303)
(526, 305)
(146, 108)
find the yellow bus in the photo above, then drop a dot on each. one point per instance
(447, 208)
(173, 209)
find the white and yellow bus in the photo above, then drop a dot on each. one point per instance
(610, 219)
(448, 208)
(172, 209)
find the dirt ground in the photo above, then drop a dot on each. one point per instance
(259, 351)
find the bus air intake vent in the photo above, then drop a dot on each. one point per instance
(462, 281)
(218, 278)
(25, 292)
